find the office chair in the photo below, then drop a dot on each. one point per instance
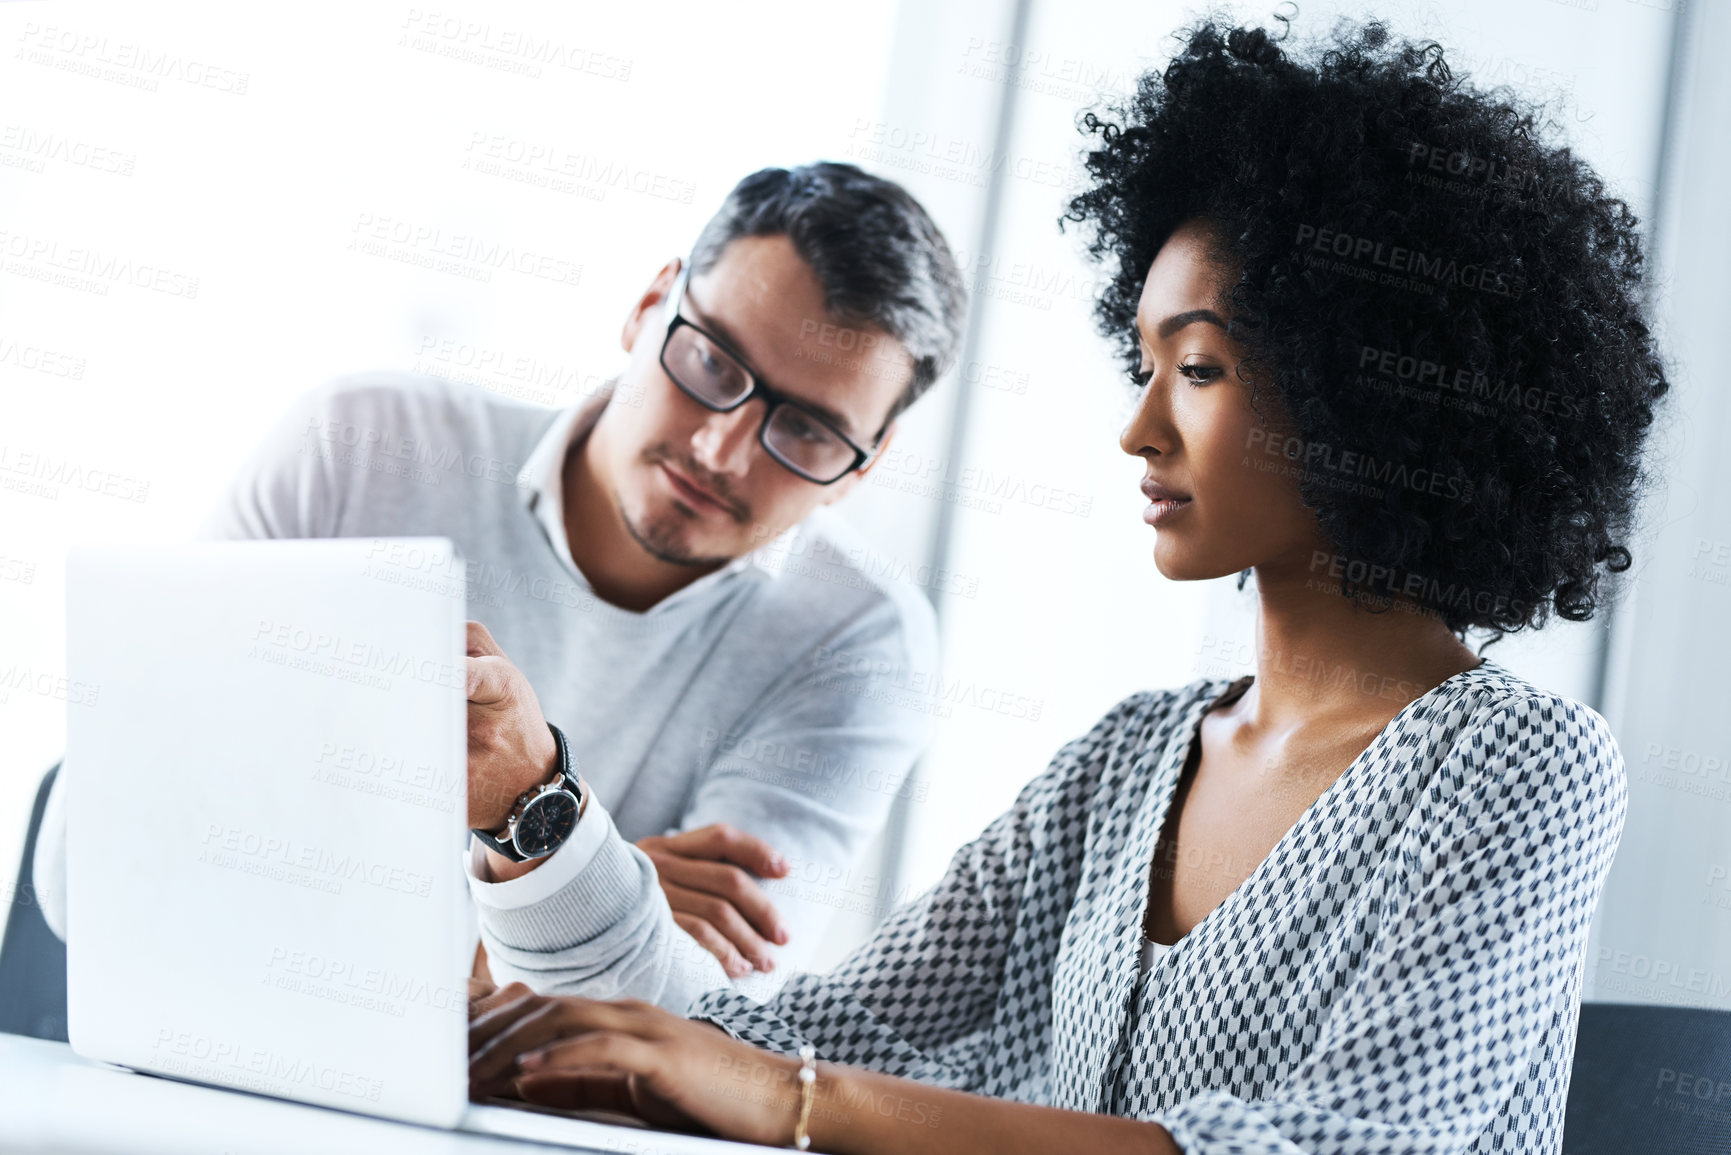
(1650, 1079)
(32, 960)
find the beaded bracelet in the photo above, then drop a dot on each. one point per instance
(807, 1086)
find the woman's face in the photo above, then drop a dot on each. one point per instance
(1194, 428)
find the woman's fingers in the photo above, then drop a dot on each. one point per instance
(497, 1040)
(484, 997)
(595, 1052)
(683, 1079)
(635, 1057)
(493, 1013)
(592, 1090)
(589, 1089)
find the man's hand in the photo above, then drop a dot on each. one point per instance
(510, 747)
(708, 876)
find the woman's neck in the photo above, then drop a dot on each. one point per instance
(1318, 656)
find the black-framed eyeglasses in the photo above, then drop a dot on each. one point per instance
(711, 374)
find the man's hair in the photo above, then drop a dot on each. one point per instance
(880, 259)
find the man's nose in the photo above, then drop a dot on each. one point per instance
(724, 441)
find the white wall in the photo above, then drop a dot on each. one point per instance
(1664, 927)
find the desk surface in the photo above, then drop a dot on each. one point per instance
(54, 1100)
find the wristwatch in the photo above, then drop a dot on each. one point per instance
(544, 816)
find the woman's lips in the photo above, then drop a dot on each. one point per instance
(1159, 513)
(1163, 502)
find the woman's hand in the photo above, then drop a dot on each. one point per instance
(484, 996)
(638, 1059)
(630, 1056)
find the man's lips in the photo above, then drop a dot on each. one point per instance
(692, 493)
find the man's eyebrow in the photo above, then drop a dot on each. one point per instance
(720, 329)
(1178, 320)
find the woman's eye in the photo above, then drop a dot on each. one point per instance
(1199, 374)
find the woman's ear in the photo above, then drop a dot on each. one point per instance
(648, 304)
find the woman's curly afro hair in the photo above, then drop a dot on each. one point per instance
(1450, 310)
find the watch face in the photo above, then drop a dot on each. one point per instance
(546, 823)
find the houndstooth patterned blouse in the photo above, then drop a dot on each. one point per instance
(1401, 974)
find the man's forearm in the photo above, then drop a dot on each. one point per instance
(498, 868)
(601, 931)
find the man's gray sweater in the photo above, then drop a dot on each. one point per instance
(787, 694)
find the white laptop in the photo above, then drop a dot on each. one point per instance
(266, 801)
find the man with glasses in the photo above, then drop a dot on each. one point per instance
(805, 435)
(690, 705)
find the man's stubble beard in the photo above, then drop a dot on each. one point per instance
(662, 539)
(664, 542)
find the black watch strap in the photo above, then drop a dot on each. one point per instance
(507, 849)
(565, 776)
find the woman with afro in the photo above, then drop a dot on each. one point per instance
(1390, 357)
